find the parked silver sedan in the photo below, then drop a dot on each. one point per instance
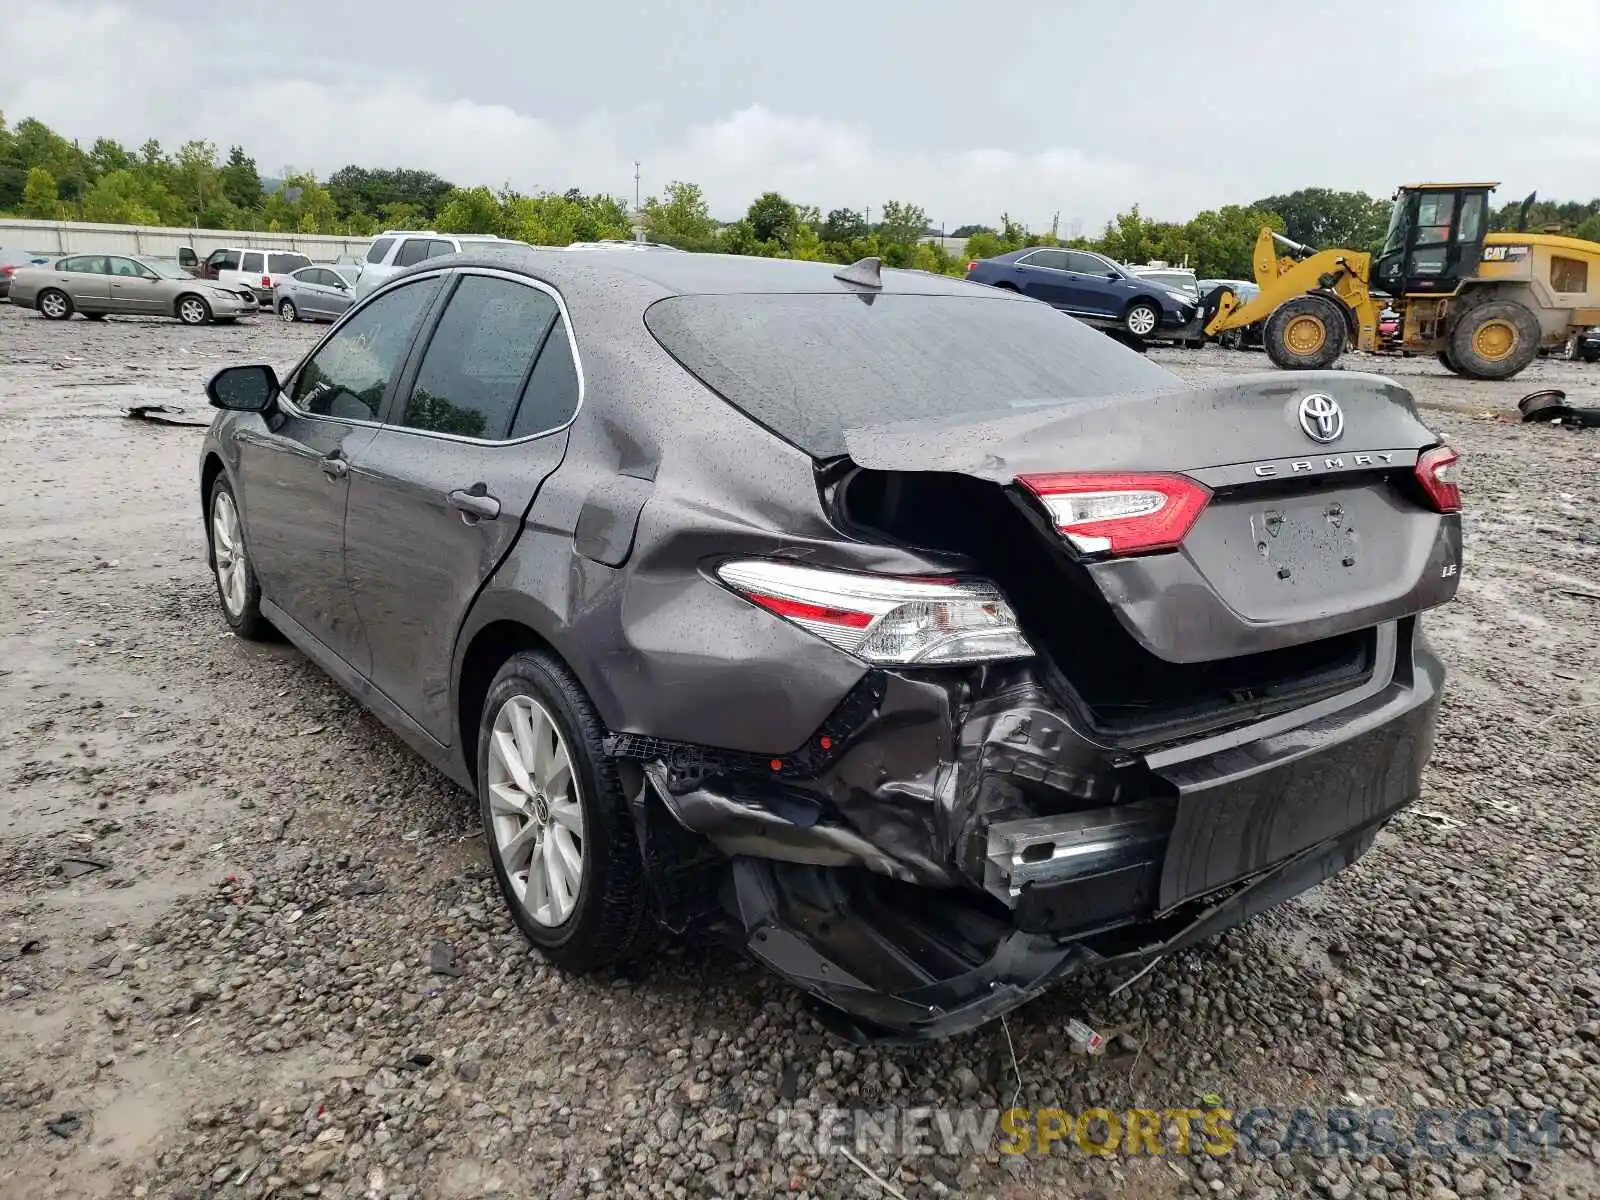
(319, 292)
(99, 284)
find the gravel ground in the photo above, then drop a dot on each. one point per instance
(249, 944)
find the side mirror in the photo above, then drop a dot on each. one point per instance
(251, 388)
(1112, 275)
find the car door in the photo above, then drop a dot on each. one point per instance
(304, 289)
(293, 469)
(252, 266)
(133, 289)
(1042, 275)
(439, 495)
(86, 280)
(218, 262)
(1090, 287)
(341, 292)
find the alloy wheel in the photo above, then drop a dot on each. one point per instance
(536, 810)
(192, 311)
(287, 313)
(227, 546)
(1142, 320)
(53, 306)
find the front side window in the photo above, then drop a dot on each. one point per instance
(86, 264)
(350, 372)
(251, 263)
(478, 358)
(379, 249)
(1088, 264)
(126, 267)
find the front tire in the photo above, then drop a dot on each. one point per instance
(1141, 319)
(238, 589)
(54, 304)
(1305, 334)
(287, 313)
(555, 818)
(1495, 339)
(1450, 364)
(193, 310)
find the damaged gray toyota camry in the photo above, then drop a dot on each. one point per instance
(922, 643)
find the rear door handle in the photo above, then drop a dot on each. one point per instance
(474, 505)
(335, 467)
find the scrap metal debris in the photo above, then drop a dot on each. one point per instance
(1550, 406)
(162, 414)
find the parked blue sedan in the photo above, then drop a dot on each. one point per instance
(1093, 288)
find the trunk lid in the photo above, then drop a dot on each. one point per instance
(1302, 540)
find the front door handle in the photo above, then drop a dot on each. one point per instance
(475, 505)
(335, 467)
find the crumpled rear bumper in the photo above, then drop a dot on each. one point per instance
(951, 844)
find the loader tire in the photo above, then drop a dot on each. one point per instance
(1450, 364)
(1305, 334)
(1494, 340)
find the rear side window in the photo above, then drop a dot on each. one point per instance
(477, 361)
(1056, 260)
(440, 249)
(412, 251)
(811, 367)
(251, 262)
(282, 264)
(87, 264)
(379, 249)
(551, 397)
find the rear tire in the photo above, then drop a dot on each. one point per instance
(193, 310)
(288, 313)
(54, 304)
(1495, 339)
(1305, 334)
(1142, 319)
(1450, 364)
(607, 919)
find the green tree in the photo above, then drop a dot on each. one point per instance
(682, 219)
(901, 224)
(125, 197)
(40, 200)
(472, 210)
(772, 218)
(806, 244)
(844, 225)
(1323, 219)
(241, 182)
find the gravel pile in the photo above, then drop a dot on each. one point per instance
(279, 966)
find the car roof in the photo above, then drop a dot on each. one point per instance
(578, 274)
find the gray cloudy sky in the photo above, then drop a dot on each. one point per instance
(968, 109)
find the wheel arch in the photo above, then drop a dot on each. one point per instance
(1352, 327)
(182, 296)
(210, 467)
(499, 626)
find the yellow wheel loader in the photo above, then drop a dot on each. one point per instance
(1485, 303)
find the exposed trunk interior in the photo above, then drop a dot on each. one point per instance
(1123, 689)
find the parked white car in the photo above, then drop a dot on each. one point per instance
(394, 250)
(246, 268)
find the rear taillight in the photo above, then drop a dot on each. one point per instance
(972, 266)
(1120, 514)
(8, 270)
(266, 281)
(1437, 471)
(885, 620)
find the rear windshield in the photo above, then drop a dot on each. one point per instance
(809, 367)
(282, 264)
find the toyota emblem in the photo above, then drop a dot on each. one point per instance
(1321, 417)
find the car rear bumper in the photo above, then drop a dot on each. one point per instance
(953, 846)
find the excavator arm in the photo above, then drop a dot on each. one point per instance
(1337, 275)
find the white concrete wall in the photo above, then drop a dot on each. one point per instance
(84, 237)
